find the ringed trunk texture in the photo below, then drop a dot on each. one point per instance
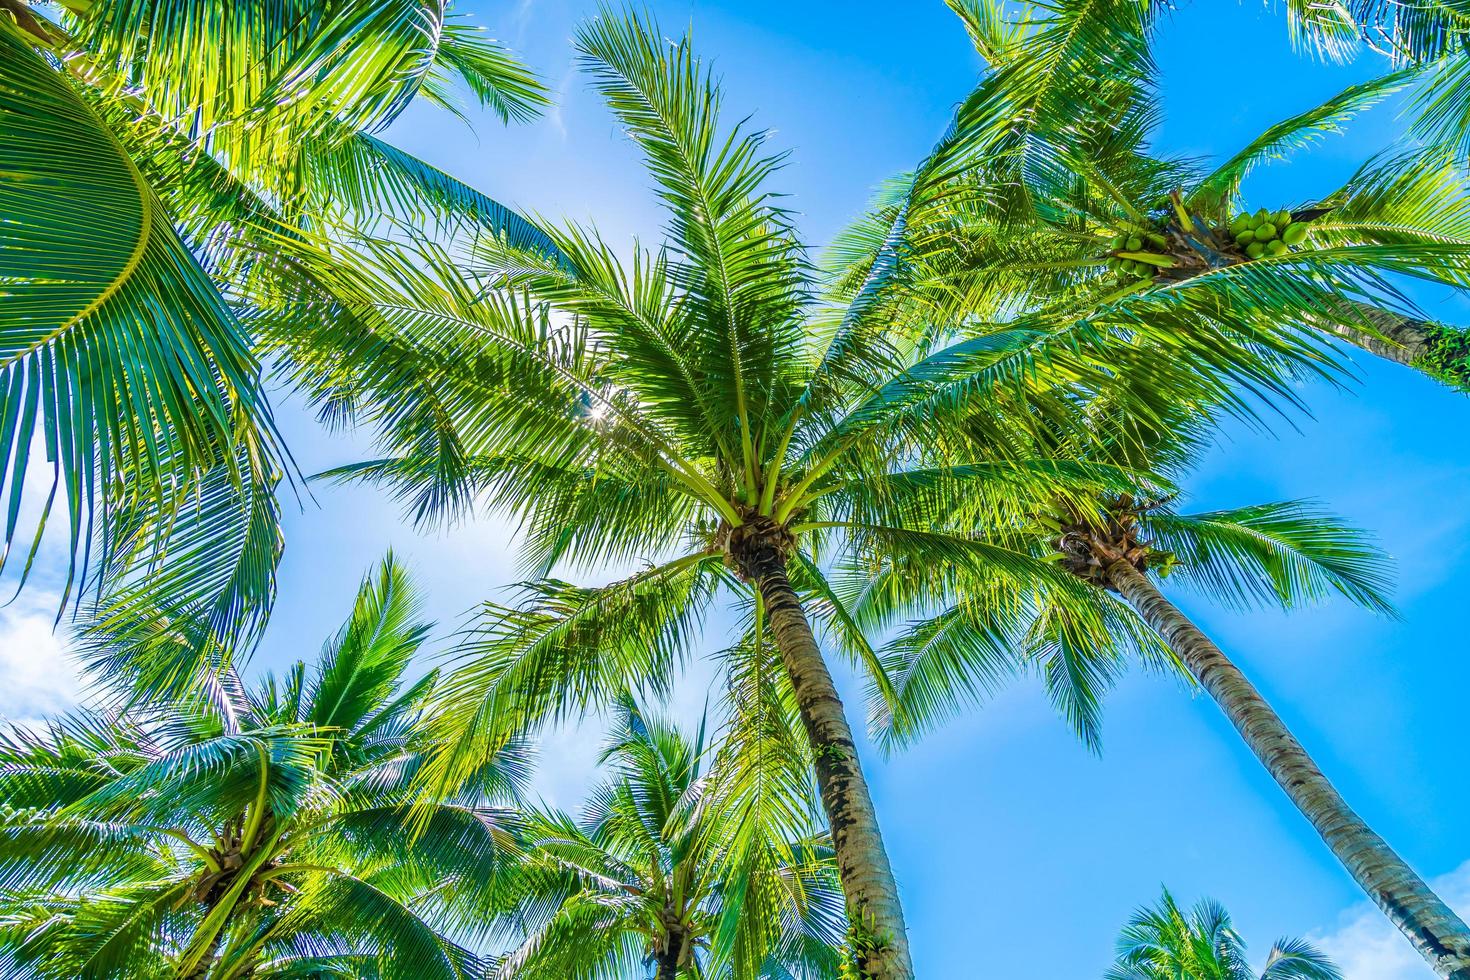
(1431, 926)
(862, 862)
(1418, 344)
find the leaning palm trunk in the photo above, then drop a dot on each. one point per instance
(1439, 351)
(880, 945)
(1435, 931)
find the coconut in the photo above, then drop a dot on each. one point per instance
(1294, 233)
(1255, 249)
(1278, 247)
(1134, 243)
(1245, 238)
(1281, 218)
(1266, 232)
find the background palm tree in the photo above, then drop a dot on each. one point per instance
(154, 150)
(656, 878)
(1124, 546)
(255, 833)
(1163, 942)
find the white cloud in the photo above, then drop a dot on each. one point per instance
(37, 676)
(1366, 946)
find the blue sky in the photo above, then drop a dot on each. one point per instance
(1019, 853)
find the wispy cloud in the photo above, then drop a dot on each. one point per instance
(37, 676)
(554, 114)
(1367, 947)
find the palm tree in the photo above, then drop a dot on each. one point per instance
(253, 833)
(655, 876)
(154, 149)
(1164, 943)
(1123, 546)
(698, 407)
(1046, 195)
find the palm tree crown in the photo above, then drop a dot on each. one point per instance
(1163, 942)
(255, 833)
(655, 877)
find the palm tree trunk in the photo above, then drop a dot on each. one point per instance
(206, 962)
(1431, 926)
(1440, 352)
(862, 863)
(668, 958)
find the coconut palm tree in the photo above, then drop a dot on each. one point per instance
(699, 408)
(254, 833)
(153, 149)
(1046, 194)
(653, 878)
(1126, 547)
(1163, 942)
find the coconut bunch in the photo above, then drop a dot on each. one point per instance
(1139, 252)
(1267, 233)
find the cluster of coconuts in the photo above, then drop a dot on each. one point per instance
(1132, 254)
(1267, 233)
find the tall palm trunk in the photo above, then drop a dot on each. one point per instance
(1440, 352)
(1435, 931)
(862, 863)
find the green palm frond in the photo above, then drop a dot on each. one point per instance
(261, 84)
(117, 351)
(1297, 959)
(360, 668)
(188, 586)
(565, 650)
(1286, 553)
(369, 177)
(738, 256)
(1326, 27)
(1215, 191)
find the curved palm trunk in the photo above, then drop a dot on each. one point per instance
(862, 862)
(1436, 932)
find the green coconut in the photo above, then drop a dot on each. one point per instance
(1134, 243)
(1245, 238)
(1239, 223)
(1281, 218)
(1260, 217)
(1266, 232)
(1119, 242)
(1294, 233)
(1278, 247)
(1255, 249)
